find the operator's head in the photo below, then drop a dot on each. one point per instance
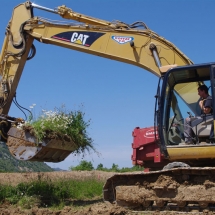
(202, 91)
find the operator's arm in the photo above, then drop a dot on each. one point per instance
(205, 106)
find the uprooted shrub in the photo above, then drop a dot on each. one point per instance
(63, 125)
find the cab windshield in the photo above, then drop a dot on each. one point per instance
(179, 100)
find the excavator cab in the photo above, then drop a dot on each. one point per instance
(173, 109)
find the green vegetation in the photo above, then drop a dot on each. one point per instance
(61, 124)
(9, 164)
(85, 165)
(48, 193)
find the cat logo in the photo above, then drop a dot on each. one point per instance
(78, 37)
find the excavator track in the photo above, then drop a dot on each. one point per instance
(179, 189)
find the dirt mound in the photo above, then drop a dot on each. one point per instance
(95, 209)
(98, 208)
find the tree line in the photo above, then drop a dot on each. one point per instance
(88, 166)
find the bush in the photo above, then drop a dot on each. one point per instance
(84, 165)
(38, 192)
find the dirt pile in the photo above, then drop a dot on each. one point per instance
(98, 208)
(95, 209)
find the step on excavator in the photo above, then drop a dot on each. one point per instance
(184, 175)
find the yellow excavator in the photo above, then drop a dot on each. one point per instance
(189, 176)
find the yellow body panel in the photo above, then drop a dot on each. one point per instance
(191, 152)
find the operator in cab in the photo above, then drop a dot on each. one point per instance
(206, 107)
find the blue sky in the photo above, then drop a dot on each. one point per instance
(117, 97)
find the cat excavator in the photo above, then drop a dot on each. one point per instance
(188, 177)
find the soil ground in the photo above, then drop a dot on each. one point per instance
(92, 207)
(102, 208)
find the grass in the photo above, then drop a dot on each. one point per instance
(47, 193)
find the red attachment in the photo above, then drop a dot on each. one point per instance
(146, 152)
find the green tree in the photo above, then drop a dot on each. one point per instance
(100, 167)
(137, 168)
(83, 165)
(115, 168)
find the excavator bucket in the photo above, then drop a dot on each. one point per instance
(23, 146)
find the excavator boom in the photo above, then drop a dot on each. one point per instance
(116, 41)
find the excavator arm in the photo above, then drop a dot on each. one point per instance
(133, 44)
